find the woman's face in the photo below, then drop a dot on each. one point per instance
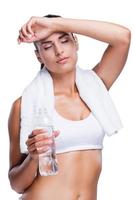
(58, 52)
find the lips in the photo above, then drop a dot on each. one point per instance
(62, 60)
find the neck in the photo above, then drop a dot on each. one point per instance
(64, 84)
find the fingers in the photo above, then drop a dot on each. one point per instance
(26, 34)
(56, 133)
(24, 37)
(39, 146)
(38, 132)
(37, 149)
(44, 132)
(39, 142)
(21, 37)
(36, 136)
(35, 29)
(29, 25)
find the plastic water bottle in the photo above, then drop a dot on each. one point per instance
(47, 161)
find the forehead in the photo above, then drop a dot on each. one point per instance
(55, 36)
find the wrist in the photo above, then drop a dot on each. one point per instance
(32, 160)
(60, 24)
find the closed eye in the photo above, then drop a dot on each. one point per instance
(64, 41)
(47, 47)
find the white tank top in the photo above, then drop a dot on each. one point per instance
(77, 135)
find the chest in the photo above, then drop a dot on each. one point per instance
(72, 108)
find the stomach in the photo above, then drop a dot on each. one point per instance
(77, 178)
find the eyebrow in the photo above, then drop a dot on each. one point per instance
(60, 37)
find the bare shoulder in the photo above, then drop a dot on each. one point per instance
(16, 104)
(14, 116)
(14, 132)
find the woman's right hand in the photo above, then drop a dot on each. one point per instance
(35, 29)
(39, 142)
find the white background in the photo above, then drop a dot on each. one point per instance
(18, 66)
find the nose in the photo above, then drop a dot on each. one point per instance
(58, 49)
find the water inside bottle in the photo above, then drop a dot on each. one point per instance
(48, 164)
(47, 161)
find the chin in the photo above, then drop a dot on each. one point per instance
(66, 69)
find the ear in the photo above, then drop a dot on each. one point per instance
(76, 42)
(38, 56)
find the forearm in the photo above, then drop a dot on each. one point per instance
(104, 31)
(23, 175)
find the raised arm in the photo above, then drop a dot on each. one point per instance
(117, 37)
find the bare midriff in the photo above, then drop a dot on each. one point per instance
(77, 178)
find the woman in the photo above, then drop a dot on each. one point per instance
(56, 48)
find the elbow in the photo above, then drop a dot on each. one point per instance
(126, 37)
(16, 187)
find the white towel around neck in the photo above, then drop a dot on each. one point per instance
(40, 93)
